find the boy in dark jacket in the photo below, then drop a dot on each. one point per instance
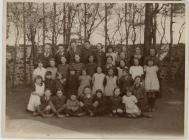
(59, 103)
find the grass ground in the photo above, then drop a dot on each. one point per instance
(167, 121)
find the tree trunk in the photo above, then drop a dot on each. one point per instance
(126, 31)
(85, 22)
(133, 25)
(54, 27)
(171, 41)
(68, 28)
(148, 28)
(154, 26)
(15, 54)
(43, 25)
(105, 26)
(24, 32)
(64, 23)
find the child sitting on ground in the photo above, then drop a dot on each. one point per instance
(44, 109)
(130, 102)
(99, 103)
(73, 107)
(37, 92)
(116, 101)
(87, 101)
(59, 104)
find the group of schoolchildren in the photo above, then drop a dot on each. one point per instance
(91, 82)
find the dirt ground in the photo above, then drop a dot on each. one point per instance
(167, 121)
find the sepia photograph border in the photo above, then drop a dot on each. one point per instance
(3, 116)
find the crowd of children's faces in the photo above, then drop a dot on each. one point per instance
(93, 82)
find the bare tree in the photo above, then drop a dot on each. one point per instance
(24, 32)
(148, 27)
(15, 13)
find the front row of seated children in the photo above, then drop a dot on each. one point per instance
(60, 105)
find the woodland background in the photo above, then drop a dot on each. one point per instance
(31, 25)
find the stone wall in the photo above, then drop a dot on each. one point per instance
(177, 67)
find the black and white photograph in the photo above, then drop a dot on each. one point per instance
(86, 69)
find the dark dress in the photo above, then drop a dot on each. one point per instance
(100, 58)
(45, 59)
(44, 102)
(59, 102)
(72, 85)
(116, 102)
(124, 83)
(88, 104)
(85, 53)
(58, 57)
(63, 69)
(78, 67)
(50, 84)
(154, 58)
(91, 68)
(139, 93)
(71, 54)
(59, 84)
(141, 60)
(102, 107)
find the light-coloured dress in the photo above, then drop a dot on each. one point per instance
(34, 100)
(39, 71)
(130, 104)
(98, 80)
(151, 80)
(84, 81)
(53, 70)
(111, 83)
(136, 71)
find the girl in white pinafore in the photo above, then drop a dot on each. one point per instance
(151, 78)
(151, 84)
(98, 80)
(35, 96)
(111, 83)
